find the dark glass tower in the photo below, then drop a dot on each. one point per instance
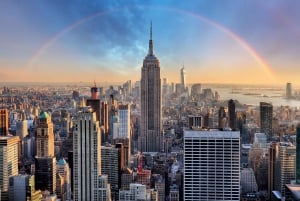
(150, 134)
(231, 114)
(266, 115)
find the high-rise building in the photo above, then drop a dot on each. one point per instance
(288, 92)
(248, 181)
(8, 162)
(86, 156)
(45, 161)
(45, 174)
(65, 123)
(211, 165)
(64, 171)
(45, 136)
(182, 77)
(112, 165)
(231, 114)
(123, 127)
(266, 116)
(3, 122)
(22, 188)
(104, 189)
(222, 118)
(22, 128)
(272, 164)
(195, 121)
(94, 102)
(196, 90)
(281, 168)
(112, 116)
(122, 131)
(104, 117)
(21, 131)
(150, 129)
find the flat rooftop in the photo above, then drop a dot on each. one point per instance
(212, 133)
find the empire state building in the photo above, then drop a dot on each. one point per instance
(150, 128)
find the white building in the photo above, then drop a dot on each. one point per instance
(8, 162)
(86, 156)
(211, 165)
(123, 126)
(122, 130)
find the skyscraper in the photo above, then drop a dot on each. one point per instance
(94, 102)
(289, 93)
(8, 162)
(86, 156)
(222, 118)
(104, 117)
(45, 136)
(182, 78)
(231, 114)
(112, 116)
(211, 165)
(281, 167)
(22, 188)
(45, 163)
(266, 115)
(3, 122)
(150, 133)
(111, 165)
(122, 130)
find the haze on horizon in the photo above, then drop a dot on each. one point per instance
(216, 41)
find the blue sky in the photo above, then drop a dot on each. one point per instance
(109, 40)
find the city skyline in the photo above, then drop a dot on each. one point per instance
(233, 42)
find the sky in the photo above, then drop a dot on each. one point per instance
(248, 42)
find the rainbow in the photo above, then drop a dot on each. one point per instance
(246, 46)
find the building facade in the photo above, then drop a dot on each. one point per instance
(8, 162)
(150, 127)
(86, 156)
(45, 161)
(3, 122)
(231, 114)
(211, 165)
(22, 188)
(266, 116)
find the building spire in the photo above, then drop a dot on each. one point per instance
(151, 30)
(150, 41)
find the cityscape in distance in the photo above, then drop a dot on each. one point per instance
(149, 101)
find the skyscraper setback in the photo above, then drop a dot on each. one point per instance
(150, 134)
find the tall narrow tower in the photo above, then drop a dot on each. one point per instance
(266, 115)
(45, 161)
(182, 77)
(86, 156)
(150, 133)
(231, 114)
(3, 122)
